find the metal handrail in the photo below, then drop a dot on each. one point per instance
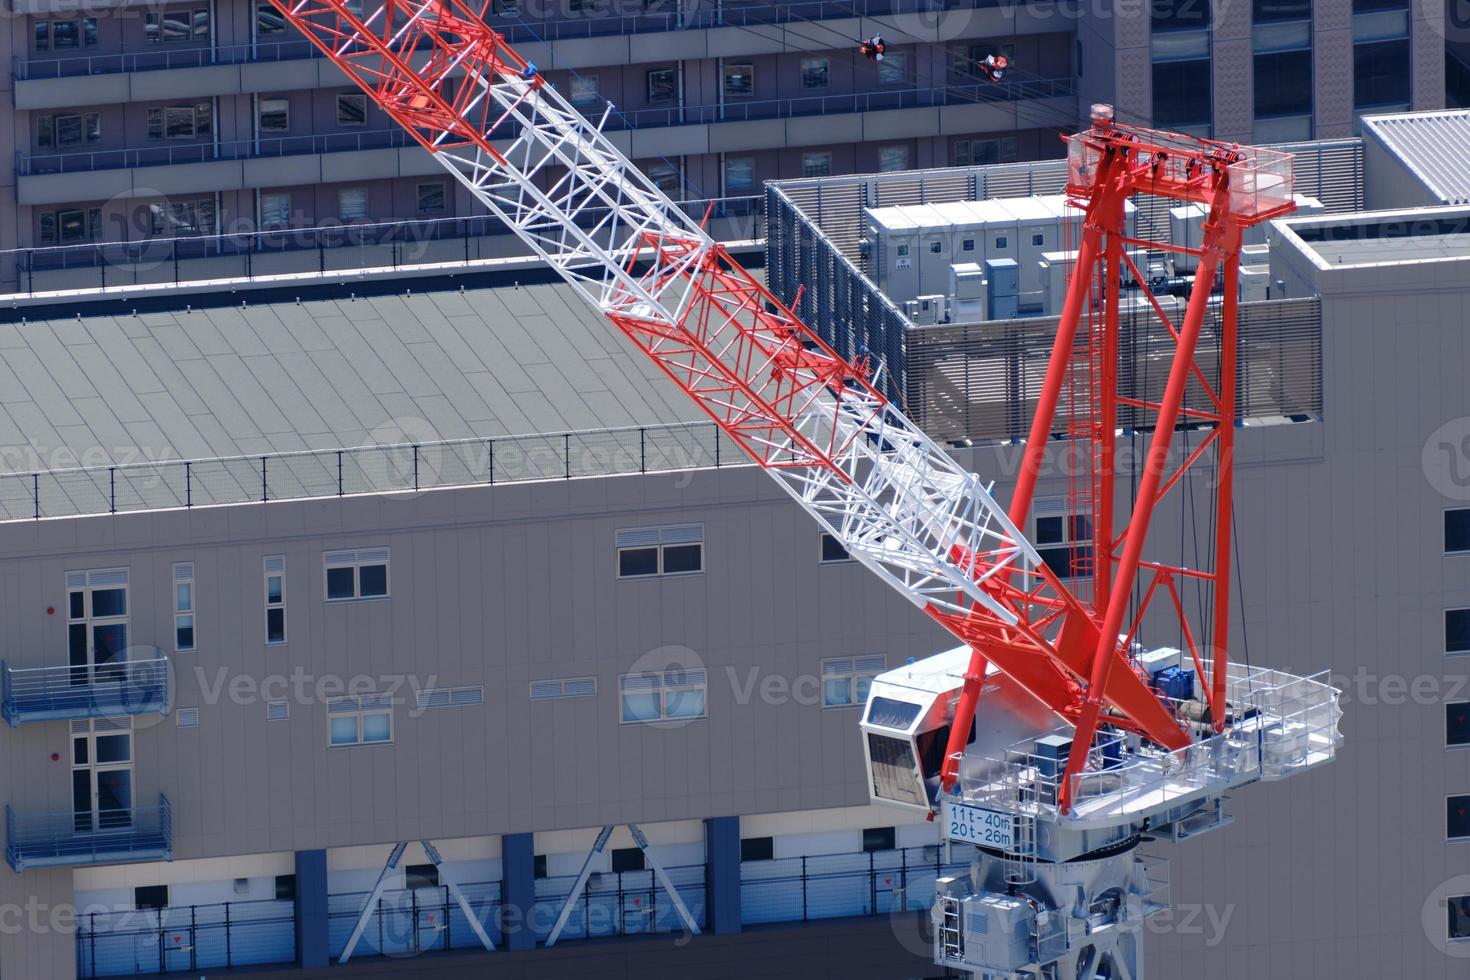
(516, 28)
(109, 835)
(85, 691)
(741, 110)
(396, 468)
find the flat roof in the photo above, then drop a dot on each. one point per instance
(274, 377)
(1375, 238)
(1432, 145)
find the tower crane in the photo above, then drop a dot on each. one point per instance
(1087, 742)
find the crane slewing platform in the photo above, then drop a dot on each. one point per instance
(1051, 733)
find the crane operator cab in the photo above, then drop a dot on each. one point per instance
(907, 721)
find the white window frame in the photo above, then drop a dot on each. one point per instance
(822, 550)
(664, 683)
(360, 708)
(854, 671)
(185, 616)
(658, 539)
(356, 560)
(1443, 543)
(1444, 630)
(274, 566)
(1447, 745)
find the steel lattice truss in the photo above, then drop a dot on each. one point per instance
(815, 421)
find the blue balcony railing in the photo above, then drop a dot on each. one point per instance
(62, 839)
(130, 687)
(657, 117)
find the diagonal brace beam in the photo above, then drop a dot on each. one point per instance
(663, 879)
(576, 892)
(459, 896)
(372, 901)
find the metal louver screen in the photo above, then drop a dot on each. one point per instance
(980, 381)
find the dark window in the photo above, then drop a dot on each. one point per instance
(1179, 15)
(880, 839)
(151, 897)
(1457, 631)
(968, 245)
(109, 602)
(757, 848)
(1001, 241)
(1457, 530)
(1065, 543)
(339, 583)
(275, 626)
(1457, 817)
(285, 888)
(1284, 84)
(662, 85)
(373, 580)
(539, 865)
(1038, 239)
(637, 561)
(1365, 6)
(683, 558)
(1457, 723)
(1182, 93)
(832, 549)
(421, 876)
(627, 859)
(76, 602)
(1381, 73)
(1459, 924)
(1264, 11)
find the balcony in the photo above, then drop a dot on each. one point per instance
(49, 840)
(695, 120)
(132, 687)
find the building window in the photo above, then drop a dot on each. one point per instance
(880, 839)
(71, 129)
(967, 65)
(739, 81)
(757, 849)
(1283, 83)
(582, 6)
(666, 177)
(449, 697)
(362, 720)
(651, 551)
(277, 711)
(176, 25)
(275, 210)
(275, 115)
(182, 217)
(662, 695)
(1179, 15)
(627, 859)
(538, 866)
(1457, 531)
(184, 606)
(421, 876)
(352, 203)
(1457, 724)
(285, 888)
(894, 68)
(1182, 92)
(97, 624)
(816, 164)
(356, 574)
(268, 20)
(102, 774)
(892, 159)
(66, 34)
(739, 176)
(432, 197)
(1457, 818)
(275, 599)
(582, 90)
(1381, 73)
(815, 72)
(662, 85)
(832, 550)
(968, 152)
(72, 226)
(1457, 631)
(845, 680)
(1459, 917)
(150, 897)
(181, 122)
(352, 109)
(563, 687)
(1063, 540)
(187, 718)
